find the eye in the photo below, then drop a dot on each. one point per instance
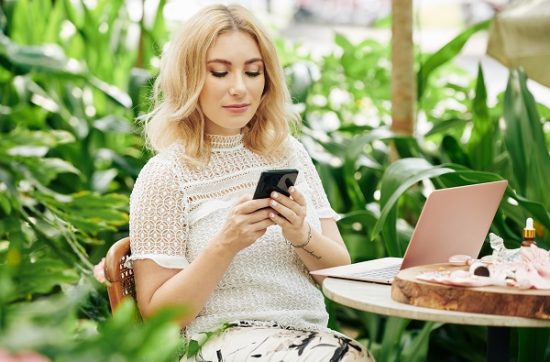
(253, 74)
(219, 74)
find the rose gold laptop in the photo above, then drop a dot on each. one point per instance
(453, 221)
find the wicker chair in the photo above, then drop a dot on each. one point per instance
(121, 279)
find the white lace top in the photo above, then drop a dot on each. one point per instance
(175, 211)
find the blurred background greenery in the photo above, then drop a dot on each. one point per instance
(71, 85)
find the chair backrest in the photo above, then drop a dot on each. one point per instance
(121, 278)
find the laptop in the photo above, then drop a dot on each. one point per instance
(453, 221)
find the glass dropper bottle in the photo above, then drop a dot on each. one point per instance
(528, 233)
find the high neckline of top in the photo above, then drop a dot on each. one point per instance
(219, 142)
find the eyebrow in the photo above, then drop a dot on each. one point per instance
(227, 62)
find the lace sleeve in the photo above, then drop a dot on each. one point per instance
(157, 219)
(318, 195)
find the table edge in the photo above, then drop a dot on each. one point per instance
(424, 313)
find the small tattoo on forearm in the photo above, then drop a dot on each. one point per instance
(312, 254)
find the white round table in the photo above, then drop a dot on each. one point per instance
(376, 298)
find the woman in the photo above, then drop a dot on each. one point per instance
(198, 239)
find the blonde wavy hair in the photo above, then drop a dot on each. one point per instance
(176, 113)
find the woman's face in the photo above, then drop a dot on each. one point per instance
(234, 83)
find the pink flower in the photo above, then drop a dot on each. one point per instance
(26, 356)
(99, 271)
(535, 268)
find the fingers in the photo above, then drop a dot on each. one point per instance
(297, 196)
(248, 206)
(264, 224)
(244, 198)
(259, 215)
(293, 208)
(284, 211)
(279, 220)
(296, 199)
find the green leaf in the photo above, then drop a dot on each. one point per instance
(42, 275)
(354, 227)
(101, 180)
(528, 208)
(357, 144)
(8, 184)
(5, 204)
(54, 22)
(57, 166)
(72, 14)
(43, 324)
(21, 138)
(10, 225)
(465, 176)
(300, 77)
(442, 126)
(112, 92)
(343, 42)
(87, 200)
(393, 332)
(453, 150)
(398, 177)
(28, 151)
(524, 139)
(445, 54)
(135, 339)
(139, 87)
(193, 348)
(112, 123)
(481, 144)
(417, 350)
(47, 169)
(46, 58)
(331, 186)
(3, 20)
(86, 212)
(533, 344)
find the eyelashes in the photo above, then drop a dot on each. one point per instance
(223, 74)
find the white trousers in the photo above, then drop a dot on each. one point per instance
(257, 343)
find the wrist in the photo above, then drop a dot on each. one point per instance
(305, 239)
(222, 245)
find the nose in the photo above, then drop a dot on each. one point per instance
(238, 87)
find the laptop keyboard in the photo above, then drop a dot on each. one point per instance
(382, 273)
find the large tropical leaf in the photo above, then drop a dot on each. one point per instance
(482, 141)
(524, 138)
(445, 54)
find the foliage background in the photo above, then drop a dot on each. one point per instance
(72, 81)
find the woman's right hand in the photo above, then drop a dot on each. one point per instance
(246, 222)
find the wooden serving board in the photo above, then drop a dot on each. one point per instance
(532, 303)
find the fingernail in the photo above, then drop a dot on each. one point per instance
(273, 203)
(291, 189)
(274, 195)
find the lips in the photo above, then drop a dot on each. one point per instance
(237, 108)
(242, 105)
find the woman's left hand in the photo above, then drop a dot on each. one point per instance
(290, 215)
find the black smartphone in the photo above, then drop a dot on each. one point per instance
(275, 180)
